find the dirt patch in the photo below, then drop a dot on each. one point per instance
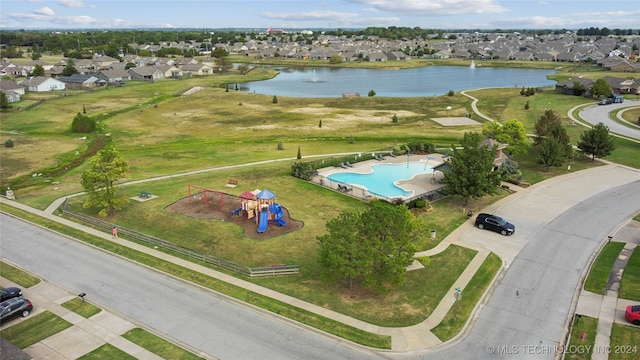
(193, 90)
(213, 209)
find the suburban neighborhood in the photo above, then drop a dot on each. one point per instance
(616, 54)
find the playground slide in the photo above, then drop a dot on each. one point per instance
(276, 209)
(264, 220)
(236, 211)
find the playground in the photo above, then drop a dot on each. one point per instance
(209, 204)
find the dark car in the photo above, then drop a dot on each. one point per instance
(633, 314)
(10, 292)
(13, 307)
(494, 223)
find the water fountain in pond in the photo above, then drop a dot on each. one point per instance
(473, 65)
(314, 78)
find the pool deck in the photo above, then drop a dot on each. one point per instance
(419, 184)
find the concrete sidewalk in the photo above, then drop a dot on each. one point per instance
(419, 336)
(416, 337)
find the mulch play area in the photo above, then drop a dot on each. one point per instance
(219, 206)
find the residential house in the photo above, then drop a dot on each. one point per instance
(114, 76)
(82, 81)
(11, 90)
(145, 73)
(196, 69)
(569, 87)
(501, 157)
(42, 84)
(170, 71)
(9, 85)
(104, 61)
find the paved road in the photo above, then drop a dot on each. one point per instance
(600, 113)
(525, 315)
(197, 317)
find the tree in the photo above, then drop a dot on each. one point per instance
(549, 125)
(514, 134)
(371, 93)
(549, 153)
(600, 88)
(223, 63)
(299, 156)
(470, 173)
(394, 119)
(275, 99)
(391, 232)
(335, 59)
(38, 70)
(69, 69)
(4, 102)
(341, 249)
(373, 247)
(83, 124)
(597, 142)
(100, 179)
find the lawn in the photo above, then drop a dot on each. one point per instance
(599, 273)
(18, 276)
(576, 347)
(81, 307)
(161, 132)
(625, 342)
(630, 284)
(33, 329)
(158, 345)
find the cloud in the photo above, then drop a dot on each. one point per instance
(312, 16)
(611, 20)
(73, 3)
(45, 11)
(434, 7)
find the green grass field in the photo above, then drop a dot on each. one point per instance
(160, 131)
(599, 274)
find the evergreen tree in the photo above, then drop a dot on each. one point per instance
(549, 152)
(4, 102)
(69, 69)
(597, 141)
(550, 126)
(373, 248)
(38, 70)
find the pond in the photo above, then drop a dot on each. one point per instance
(425, 81)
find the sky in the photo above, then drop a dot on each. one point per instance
(320, 14)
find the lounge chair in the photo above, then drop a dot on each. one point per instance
(392, 154)
(342, 165)
(349, 165)
(377, 157)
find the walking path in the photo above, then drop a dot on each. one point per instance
(107, 328)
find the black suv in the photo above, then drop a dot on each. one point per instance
(494, 223)
(14, 307)
(10, 292)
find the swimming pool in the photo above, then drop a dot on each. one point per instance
(381, 181)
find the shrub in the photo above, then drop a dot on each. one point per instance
(275, 99)
(450, 93)
(8, 143)
(83, 124)
(420, 203)
(395, 118)
(371, 93)
(280, 146)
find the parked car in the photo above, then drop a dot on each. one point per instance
(494, 223)
(606, 101)
(633, 314)
(17, 306)
(10, 292)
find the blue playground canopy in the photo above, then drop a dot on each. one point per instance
(265, 195)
